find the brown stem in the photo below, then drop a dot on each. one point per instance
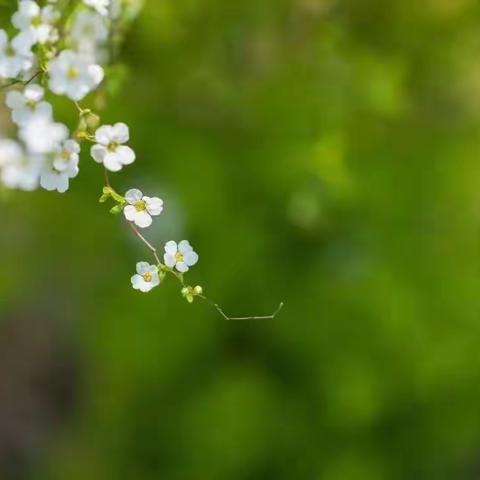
(253, 317)
(22, 82)
(145, 241)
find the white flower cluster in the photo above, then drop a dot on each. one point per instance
(45, 154)
(139, 210)
(63, 54)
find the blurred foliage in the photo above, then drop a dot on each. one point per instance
(321, 152)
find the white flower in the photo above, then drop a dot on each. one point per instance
(42, 136)
(88, 31)
(10, 151)
(140, 208)
(109, 149)
(180, 256)
(101, 6)
(28, 104)
(60, 167)
(18, 170)
(73, 76)
(146, 277)
(16, 56)
(39, 22)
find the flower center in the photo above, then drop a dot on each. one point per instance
(9, 51)
(32, 105)
(73, 73)
(147, 277)
(140, 206)
(179, 257)
(65, 155)
(112, 146)
(36, 21)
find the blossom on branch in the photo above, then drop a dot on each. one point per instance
(60, 166)
(16, 56)
(141, 208)
(38, 22)
(146, 277)
(109, 148)
(73, 75)
(28, 104)
(181, 256)
(17, 169)
(41, 135)
(88, 34)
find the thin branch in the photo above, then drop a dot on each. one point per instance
(252, 317)
(145, 241)
(22, 82)
(179, 276)
(107, 179)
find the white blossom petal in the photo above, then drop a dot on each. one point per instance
(182, 267)
(111, 161)
(133, 196)
(154, 205)
(191, 258)
(155, 279)
(130, 212)
(125, 155)
(104, 134)
(143, 219)
(171, 247)
(34, 93)
(143, 267)
(120, 133)
(184, 247)
(14, 99)
(98, 152)
(169, 260)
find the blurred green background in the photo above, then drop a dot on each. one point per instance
(324, 153)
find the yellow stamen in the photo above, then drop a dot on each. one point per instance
(36, 21)
(73, 73)
(140, 206)
(179, 257)
(147, 277)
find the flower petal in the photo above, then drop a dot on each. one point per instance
(120, 133)
(130, 212)
(154, 205)
(137, 281)
(184, 247)
(182, 267)
(72, 146)
(191, 258)
(111, 162)
(143, 219)
(14, 99)
(155, 280)
(104, 134)
(125, 155)
(44, 109)
(171, 247)
(169, 260)
(98, 153)
(133, 196)
(33, 93)
(96, 74)
(146, 287)
(143, 267)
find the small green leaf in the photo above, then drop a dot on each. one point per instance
(116, 209)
